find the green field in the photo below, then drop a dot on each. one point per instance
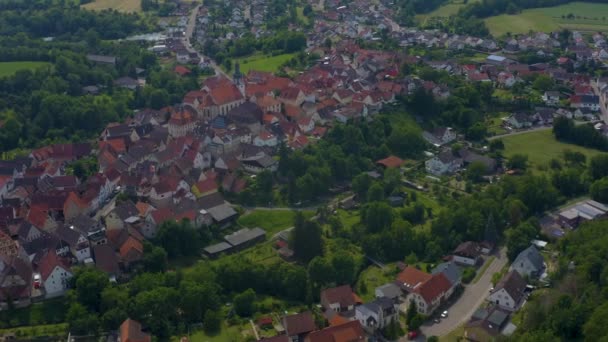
(541, 147)
(10, 68)
(587, 17)
(273, 221)
(449, 9)
(263, 63)
(119, 5)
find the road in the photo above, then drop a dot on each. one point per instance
(604, 111)
(472, 297)
(188, 38)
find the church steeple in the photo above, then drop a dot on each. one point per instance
(238, 78)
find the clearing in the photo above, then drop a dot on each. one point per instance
(541, 147)
(119, 5)
(449, 9)
(10, 68)
(271, 220)
(263, 63)
(584, 16)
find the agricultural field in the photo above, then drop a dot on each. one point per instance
(119, 5)
(541, 147)
(449, 9)
(263, 63)
(10, 68)
(580, 16)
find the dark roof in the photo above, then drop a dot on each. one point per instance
(244, 235)
(246, 113)
(126, 210)
(532, 254)
(468, 249)
(68, 235)
(514, 284)
(210, 201)
(299, 324)
(217, 248)
(262, 161)
(449, 270)
(106, 259)
(101, 59)
(390, 290)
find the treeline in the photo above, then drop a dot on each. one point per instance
(407, 9)
(56, 21)
(488, 8)
(586, 135)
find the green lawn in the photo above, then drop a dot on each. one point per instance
(263, 63)
(10, 68)
(588, 17)
(119, 5)
(454, 335)
(235, 333)
(273, 221)
(541, 147)
(373, 277)
(449, 9)
(301, 16)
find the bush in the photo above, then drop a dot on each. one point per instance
(468, 274)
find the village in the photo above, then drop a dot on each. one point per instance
(190, 161)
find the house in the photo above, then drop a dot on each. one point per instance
(76, 242)
(467, 253)
(591, 102)
(509, 294)
(486, 324)
(451, 271)
(339, 299)
(428, 291)
(377, 314)
(443, 164)
(529, 263)
(131, 331)
(54, 274)
(551, 98)
(100, 59)
(389, 290)
(346, 332)
(519, 120)
(439, 136)
(259, 163)
(15, 281)
(182, 121)
(106, 260)
(298, 326)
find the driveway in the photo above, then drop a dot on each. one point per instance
(472, 297)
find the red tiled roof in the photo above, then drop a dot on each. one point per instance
(412, 277)
(161, 215)
(130, 331)
(350, 331)
(181, 70)
(118, 144)
(206, 185)
(131, 244)
(390, 162)
(299, 323)
(434, 287)
(48, 263)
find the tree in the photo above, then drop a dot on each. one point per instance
(80, 321)
(320, 271)
(89, 284)
(306, 240)
(476, 170)
(518, 162)
(518, 238)
(497, 145)
(212, 322)
(345, 269)
(376, 216)
(243, 303)
(599, 190)
(543, 83)
(412, 311)
(375, 192)
(155, 259)
(574, 158)
(416, 322)
(361, 184)
(598, 167)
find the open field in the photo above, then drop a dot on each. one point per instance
(541, 147)
(30, 332)
(272, 221)
(449, 9)
(10, 68)
(119, 5)
(263, 63)
(587, 17)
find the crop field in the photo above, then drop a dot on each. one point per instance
(119, 5)
(580, 16)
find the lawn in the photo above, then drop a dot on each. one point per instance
(587, 17)
(263, 63)
(301, 16)
(10, 68)
(273, 221)
(372, 277)
(119, 5)
(454, 335)
(449, 9)
(235, 333)
(541, 147)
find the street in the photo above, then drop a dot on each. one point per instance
(188, 38)
(472, 297)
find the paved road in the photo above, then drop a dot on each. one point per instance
(472, 297)
(188, 38)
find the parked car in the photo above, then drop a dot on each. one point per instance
(412, 335)
(444, 314)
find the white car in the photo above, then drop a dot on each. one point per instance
(444, 314)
